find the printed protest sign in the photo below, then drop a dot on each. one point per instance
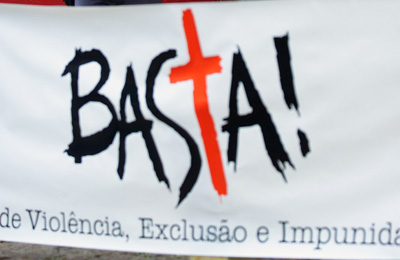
(257, 129)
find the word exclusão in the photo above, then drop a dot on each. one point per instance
(196, 70)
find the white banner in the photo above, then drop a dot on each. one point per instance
(247, 129)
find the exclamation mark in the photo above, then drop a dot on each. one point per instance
(286, 77)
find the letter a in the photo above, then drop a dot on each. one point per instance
(259, 116)
(139, 125)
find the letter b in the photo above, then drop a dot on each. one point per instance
(98, 142)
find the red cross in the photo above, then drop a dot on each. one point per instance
(197, 70)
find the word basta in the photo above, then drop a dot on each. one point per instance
(196, 70)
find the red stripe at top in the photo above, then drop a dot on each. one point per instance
(34, 2)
